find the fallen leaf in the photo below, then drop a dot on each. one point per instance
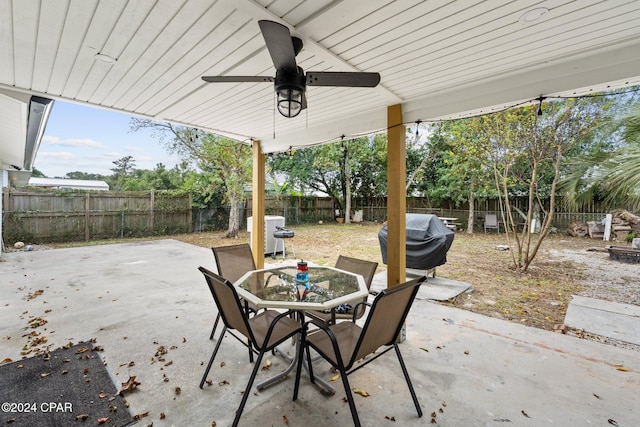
(102, 395)
(424, 349)
(433, 421)
(7, 360)
(82, 350)
(622, 369)
(142, 415)
(82, 417)
(596, 396)
(335, 377)
(223, 382)
(360, 392)
(222, 364)
(213, 424)
(612, 422)
(390, 418)
(285, 419)
(130, 385)
(433, 414)
(525, 414)
(466, 352)
(45, 374)
(169, 363)
(161, 350)
(102, 420)
(162, 415)
(209, 382)
(178, 390)
(267, 365)
(184, 339)
(444, 404)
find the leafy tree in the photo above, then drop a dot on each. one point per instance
(464, 172)
(37, 174)
(528, 152)
(85, 175)
(226, 163)
(123, 169)
(610, 169)
(159, 178)
(342, 170)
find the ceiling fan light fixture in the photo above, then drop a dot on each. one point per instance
(289, 102)
(289, 86)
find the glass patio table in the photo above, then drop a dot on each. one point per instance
(278, 288)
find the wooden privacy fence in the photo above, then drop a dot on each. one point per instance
(298, 210)
(54, 216)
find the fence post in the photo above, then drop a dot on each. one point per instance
(86, 217)
(190, 215)
(152, 203)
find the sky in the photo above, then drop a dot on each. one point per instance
(89, 139)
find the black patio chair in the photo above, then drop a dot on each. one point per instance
(345, 343)
(264, 331)
(232, 263)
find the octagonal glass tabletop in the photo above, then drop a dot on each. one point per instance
(278, 288)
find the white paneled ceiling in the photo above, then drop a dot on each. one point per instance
(438, 58)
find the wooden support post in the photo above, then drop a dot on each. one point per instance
(257, 205)
(397, 198)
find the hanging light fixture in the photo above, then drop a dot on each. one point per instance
(290, 152)
(540, 99)
(290, 92)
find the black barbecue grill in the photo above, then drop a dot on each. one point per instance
(282, 233)
(428, 241)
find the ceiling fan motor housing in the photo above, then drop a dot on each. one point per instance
(290, 86)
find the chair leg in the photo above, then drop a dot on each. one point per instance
(215, 325)
(247, 390)
(406, 377)
(352, 404)
(301, 350)
(213, 356)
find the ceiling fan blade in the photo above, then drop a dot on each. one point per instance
(280, 46)
(237, 79)
(346, 79)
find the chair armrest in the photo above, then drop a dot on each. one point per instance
(334, 341)
(355, 308)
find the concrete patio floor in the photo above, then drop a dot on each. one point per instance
(468, 369)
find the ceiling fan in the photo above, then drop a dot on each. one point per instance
(291, 81)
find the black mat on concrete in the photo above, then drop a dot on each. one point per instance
(67, 387)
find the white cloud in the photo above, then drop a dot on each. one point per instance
(56, 155)
(134, 149)
(72, 142)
